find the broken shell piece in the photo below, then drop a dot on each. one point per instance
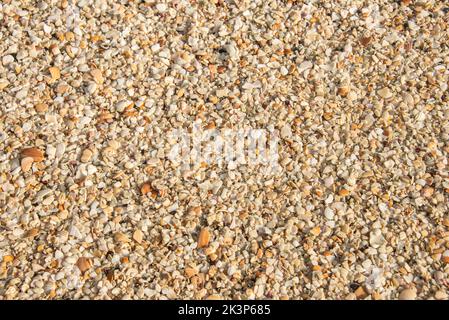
(123, 105)
(3, 84)
(34, 153)
(97, 75)
(203, 238)
(26, 164)
(385, 93)
(86, 156)
(190, 272)
(84, 264)
(121, 237)
(343, 91)
(145, 188)
(407, 294)
(427, 192)
(138, 236)
(376, 238)
(41, 107)
(54, 73)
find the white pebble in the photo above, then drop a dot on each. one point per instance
(7, 59)
(329, 213)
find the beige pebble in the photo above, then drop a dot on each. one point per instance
(121, 106)
(441, 295)
(407, 294)
(86, 156)
(97, 75)
(41, 107)
(427, 192)
(360, 293)
(55, 73)
(315, 231)
(385, 93)
(190, 272)
(351, 296)
(3, 84)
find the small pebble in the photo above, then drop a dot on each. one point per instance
(385, 93)
(407, 294)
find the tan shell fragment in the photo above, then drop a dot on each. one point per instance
(315, 231)
(69, 52)
(343, 192)
(365, 41)
(190, 272)
(446, 222)
(195, 211)
(54, 73)
(84, 264)
(360, 293)
(41, 107)
(8, 258)
(26, 164)
(138, 236)
(3, 84)
(343, 91)
(97, 75)
(203, 238)
(123, 105)
(86, 155)
(62, 88)
(32, 233)
(385, 93)
(34, 153)
(427, 192)
(121, 237)
(407, 294)
(145, 188)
